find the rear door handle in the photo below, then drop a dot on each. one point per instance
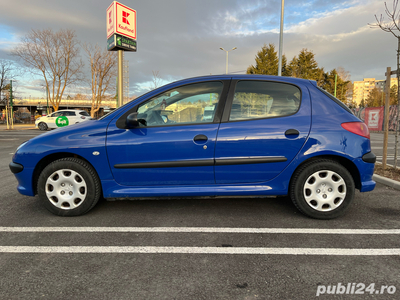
(292, 132)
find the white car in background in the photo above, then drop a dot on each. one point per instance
(62, 118)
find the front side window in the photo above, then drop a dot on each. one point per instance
(189, 104)
(263, 99)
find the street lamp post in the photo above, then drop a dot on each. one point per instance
(226, 70)
(281, 39)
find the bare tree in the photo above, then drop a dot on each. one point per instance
(343, 74)
(156, 79)
(103, 66)
(392, 26)
(7, 72)
(53, 55)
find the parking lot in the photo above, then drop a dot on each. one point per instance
(194, 249)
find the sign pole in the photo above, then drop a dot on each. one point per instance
(386, 135)
(116, 88)
(120, 77)
(121, 36)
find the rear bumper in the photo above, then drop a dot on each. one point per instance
(365, 166)
(367, 186)
(369, 157)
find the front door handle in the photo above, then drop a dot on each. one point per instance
(200, 137)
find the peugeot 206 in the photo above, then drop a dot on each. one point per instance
(214, 136)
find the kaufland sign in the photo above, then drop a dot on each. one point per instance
(121, 20)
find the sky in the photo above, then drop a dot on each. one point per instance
(182, 38)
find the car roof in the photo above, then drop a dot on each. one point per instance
(292, 80)
(251, 76)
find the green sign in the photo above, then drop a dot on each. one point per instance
(119, 42)
(62, 121)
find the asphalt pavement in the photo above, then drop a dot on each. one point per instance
(195, 249)
(377, 147)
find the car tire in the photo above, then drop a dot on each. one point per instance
(69, 187)
(322, 189)
(43, 126)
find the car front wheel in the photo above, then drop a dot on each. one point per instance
(322, 189)
(69, 187)
(42, 126)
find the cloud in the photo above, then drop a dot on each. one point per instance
(181, 38)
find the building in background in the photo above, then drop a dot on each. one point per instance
(361, 89)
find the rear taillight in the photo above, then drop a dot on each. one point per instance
(357, 128)
(82, 117)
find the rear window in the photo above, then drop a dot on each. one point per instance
(335, 99)
(84, 113)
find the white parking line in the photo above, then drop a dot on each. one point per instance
(200, 250)
(202, 230)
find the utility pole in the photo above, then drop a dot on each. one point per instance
(386, 135)
(11, 106)
(11, 99)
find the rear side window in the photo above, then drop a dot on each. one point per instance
(84, 113)
(69, 114)
(263, 99)
(335, 99)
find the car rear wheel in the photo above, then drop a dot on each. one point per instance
(322, 189)
(42, 126)
(69, 187)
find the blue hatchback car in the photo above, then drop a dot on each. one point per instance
(241, 135)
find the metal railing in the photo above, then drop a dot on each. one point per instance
(63, 103)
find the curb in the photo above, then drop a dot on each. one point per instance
(386, 181)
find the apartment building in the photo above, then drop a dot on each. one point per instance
(361, 89)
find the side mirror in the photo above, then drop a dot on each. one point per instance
(132, 121)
